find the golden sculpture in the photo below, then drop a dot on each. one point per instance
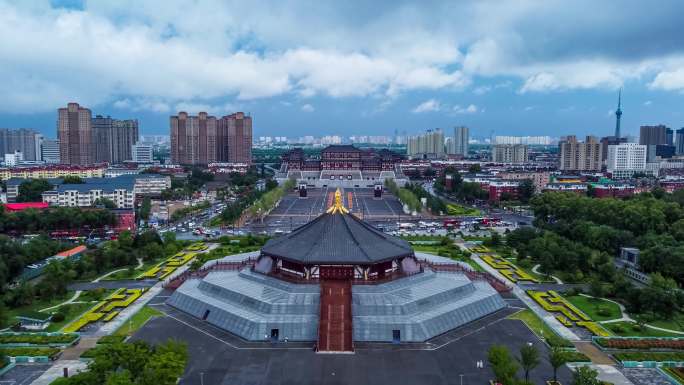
(338, 205)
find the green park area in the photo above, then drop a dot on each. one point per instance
(596, 309)
(632, 329)
(137, 321)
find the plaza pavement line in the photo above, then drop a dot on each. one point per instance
(548, 319)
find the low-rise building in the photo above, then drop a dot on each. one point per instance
(122, 190)
(52, 171)
(539, 178)
(501, 188)
(613, 190)
(628, 262)
(577, 188)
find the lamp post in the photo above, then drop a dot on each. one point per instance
(461, 377)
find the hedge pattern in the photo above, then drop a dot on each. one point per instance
(565, 312)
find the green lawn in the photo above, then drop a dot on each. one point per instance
(539, 327)
(596, 309)
(626, 329)
(137, 321)
(676, 323)
(35, 306)
(458, 210)
(134, 273)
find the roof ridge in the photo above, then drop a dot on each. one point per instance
(360, 246)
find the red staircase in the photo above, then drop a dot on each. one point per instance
(335, 324)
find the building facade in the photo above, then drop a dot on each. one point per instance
(52, 171)
(459, 143)
(510, 153)
(679, 141)
(49, 151)
(626, 159)
(194, 139)
(75, 134)
(24, 140)
(539, 178)
(142, 153)
(579, 156)
(235, 138)
(427, 146)
(114, 139)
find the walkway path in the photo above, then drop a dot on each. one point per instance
(535, 270)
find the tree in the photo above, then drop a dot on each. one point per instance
(503, 365)
(32, 190)
(145, 208)
(526, 190)
(596, 289)
(585, 375)
(474, 168)
(557, 358)
(104, 202)
(72, 179)
(529, 359)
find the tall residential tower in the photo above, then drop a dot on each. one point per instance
(75, 134)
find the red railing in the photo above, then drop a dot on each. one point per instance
(201, 273)
(496, 283)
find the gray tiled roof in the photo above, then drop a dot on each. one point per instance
(337, 239)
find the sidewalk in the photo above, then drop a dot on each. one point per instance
(57, 370)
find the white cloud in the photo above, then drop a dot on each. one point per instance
(648, 103)
(430, 105)
(529, 108)
(158, 55)
(470, 109)
(308, 108)
(669, 80)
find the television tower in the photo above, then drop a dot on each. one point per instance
(618, 115)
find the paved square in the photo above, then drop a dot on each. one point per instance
(216, 357)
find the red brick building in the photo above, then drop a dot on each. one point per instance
(497, 189)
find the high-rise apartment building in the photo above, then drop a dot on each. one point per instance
(510, 153)
(24, 140)
(427, 146)
(580, 156)
(679, 141)
(458, 145)
(235, 138)
(194, 139)
(114, 138)
(649, 135)
(49, 151)
(75, 134)
(625, 159)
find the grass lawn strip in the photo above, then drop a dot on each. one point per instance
(137, 321)
(541, 329)
(630, 329)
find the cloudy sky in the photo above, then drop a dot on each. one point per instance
(348, 67)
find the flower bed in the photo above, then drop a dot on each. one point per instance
(569, 314)
(508, 269)
(650, 356)
(107, 309)
(38, 338)
(29, 352)
(642, 343)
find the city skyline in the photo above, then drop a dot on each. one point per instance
(446, 71)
